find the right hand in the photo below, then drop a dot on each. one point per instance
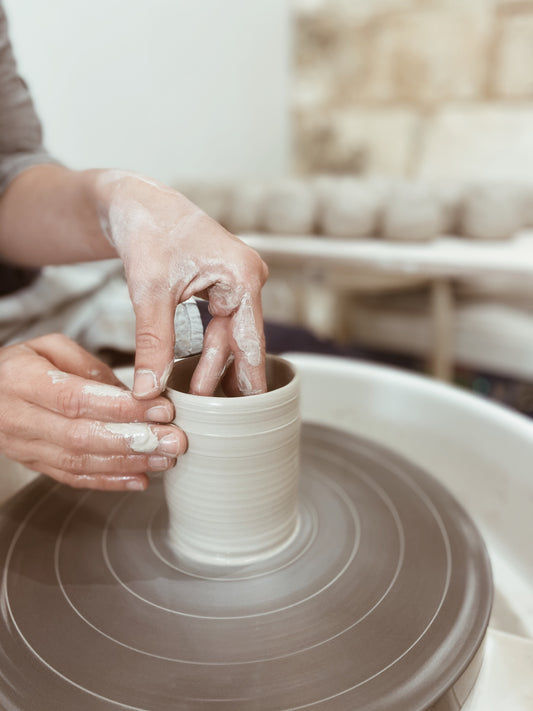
(64, 413)
(171, 251)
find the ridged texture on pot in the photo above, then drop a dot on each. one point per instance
(232, 498)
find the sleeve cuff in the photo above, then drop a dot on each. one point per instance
(13, 165)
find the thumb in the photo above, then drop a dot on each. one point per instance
(154, 341)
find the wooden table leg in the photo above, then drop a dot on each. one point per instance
(442, 312)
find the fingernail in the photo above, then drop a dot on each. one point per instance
(135, 485)
(145, 382)
(159, 463)
(159, 413)
(170, 444)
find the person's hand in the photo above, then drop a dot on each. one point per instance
(171, 250)
(64, 413)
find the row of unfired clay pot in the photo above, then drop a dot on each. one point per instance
(357, 208)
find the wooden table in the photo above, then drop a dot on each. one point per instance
(352, 267)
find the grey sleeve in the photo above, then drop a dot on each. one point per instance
(20, 129)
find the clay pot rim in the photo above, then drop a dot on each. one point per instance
(262, 401)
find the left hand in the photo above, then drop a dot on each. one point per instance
(171, 251)
(64, 413)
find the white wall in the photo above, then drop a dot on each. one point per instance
(177, 89)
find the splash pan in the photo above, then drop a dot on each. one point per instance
(380, 603)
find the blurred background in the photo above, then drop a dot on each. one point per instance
(230, 89)
(176, 89)
(398, 133)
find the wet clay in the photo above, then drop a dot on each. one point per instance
(232, 497)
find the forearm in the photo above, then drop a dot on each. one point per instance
(50, 215)
(171, 251)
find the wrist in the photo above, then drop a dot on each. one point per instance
(97, 201)
(105, 184)
(129, 203)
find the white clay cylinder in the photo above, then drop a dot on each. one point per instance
(232, 497)
(244, 209)
(347, 208)
(411, 214)
(289, 207)
(493, 211)
(450, 198)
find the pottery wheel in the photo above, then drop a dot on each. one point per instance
(380, 602)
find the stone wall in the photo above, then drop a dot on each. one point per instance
(431, 89)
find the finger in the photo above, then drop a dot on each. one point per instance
(47, 455)
(76, 397)
(103, 482)
(94, 437)
(248, 346)
(50, 458)
(214, 357)
(154, 340)
(70, 357)
(230, 382)
(246, 378)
